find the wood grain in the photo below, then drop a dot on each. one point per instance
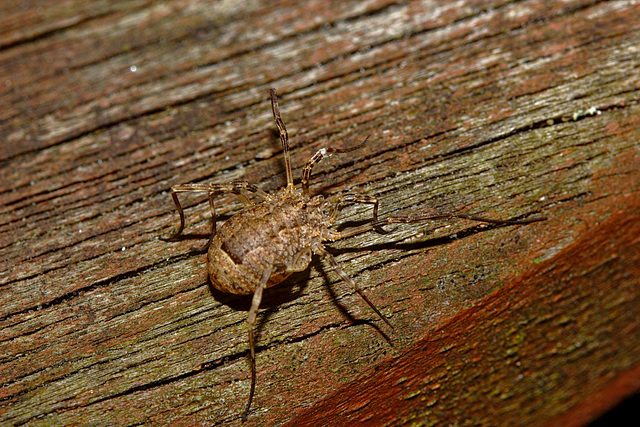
(502, 109)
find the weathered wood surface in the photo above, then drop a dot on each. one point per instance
(520, 367)
(496, 108)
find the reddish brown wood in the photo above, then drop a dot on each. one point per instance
(536, 351)
(497, 108)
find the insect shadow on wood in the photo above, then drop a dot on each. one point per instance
(262, 245)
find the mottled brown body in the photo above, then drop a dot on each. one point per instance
(262, 245)
(277, 236)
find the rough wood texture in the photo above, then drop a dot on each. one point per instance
(495, 108)
(526, 349)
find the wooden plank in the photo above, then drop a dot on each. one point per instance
(495, 108)
(534, 351)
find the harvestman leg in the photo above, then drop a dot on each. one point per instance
(284, 137)
(378, 223)
(340, 201)
(240, 188)
(251, 320)
(308, 167)
(253, 312)
(420, 218)
(320, 250)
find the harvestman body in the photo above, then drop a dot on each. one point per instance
(266, 242)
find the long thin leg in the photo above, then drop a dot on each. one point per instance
(320, 250)
(306, 171)
(251, 320)
(284, 137)
(339, 202)
(241, 188)
(419, 218)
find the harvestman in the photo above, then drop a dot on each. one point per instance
(266, 242)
